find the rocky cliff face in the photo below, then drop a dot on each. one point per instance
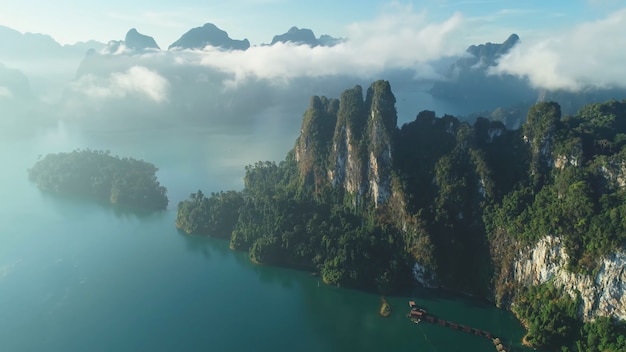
(381, 129)
(436, 179)
(361, 150)
(313, 145)
(346, 169)
(602, 294)
(614, 171)
(348, 143)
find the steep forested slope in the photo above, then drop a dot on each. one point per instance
(368, 204)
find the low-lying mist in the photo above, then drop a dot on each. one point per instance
(225, 109)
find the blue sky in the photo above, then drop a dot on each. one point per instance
(259, 20)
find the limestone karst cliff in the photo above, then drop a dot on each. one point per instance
(602, 293)
(453, 183)
(473, 208)
(349, 143)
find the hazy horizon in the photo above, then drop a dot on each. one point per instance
(570, 46)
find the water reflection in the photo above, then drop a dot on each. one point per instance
(150, 290)
(203, 245)
(75, 206)
(347, 320)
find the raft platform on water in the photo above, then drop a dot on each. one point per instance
(418, 315)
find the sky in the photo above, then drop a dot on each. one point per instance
(565, 44)
(259, 20)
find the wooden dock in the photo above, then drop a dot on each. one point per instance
(418, 315)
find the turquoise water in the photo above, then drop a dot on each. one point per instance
(79, 276)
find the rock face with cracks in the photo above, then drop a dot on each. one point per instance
(354, 137)
(445, 203)
(602, 294)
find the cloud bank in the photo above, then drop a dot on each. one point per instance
(271, 85)
(399, 39)
(136, 81)
(5, 92)
(590, 55)
(213, 87)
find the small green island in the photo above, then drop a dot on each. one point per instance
(98, 175)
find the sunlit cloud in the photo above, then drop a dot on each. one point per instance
(121, 49)
(137, 80)
(5, 92)
(402, 37)
(399, 40)
(590, 55)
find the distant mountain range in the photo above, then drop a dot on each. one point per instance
(209, 34)
(133, 41)
(468, 82)
(13, 84)
(468, 78)
(505, 97)
(15, 45)
(305, 36)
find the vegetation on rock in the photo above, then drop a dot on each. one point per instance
(385, 307)
(101, 176)
(364, 202)
(215, 215)
(550, 316)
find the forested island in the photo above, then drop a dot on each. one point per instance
(368, 204)
(98, 175)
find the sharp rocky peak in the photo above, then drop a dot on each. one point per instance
(208, 35)
(139, 42)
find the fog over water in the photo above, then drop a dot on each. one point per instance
(75, 275)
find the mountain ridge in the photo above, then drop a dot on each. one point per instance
(468, 78)
(208, 34)
(304, 36)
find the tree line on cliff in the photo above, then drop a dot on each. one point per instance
(452, 197)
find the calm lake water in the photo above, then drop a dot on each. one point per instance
(79, 276)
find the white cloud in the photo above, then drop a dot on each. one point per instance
(143, 81)
(590, 55)
(399, 39)
(402, 38)
(137, 80)
(5, 92)
(120, 49)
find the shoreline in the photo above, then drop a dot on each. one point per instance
(526, 325)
